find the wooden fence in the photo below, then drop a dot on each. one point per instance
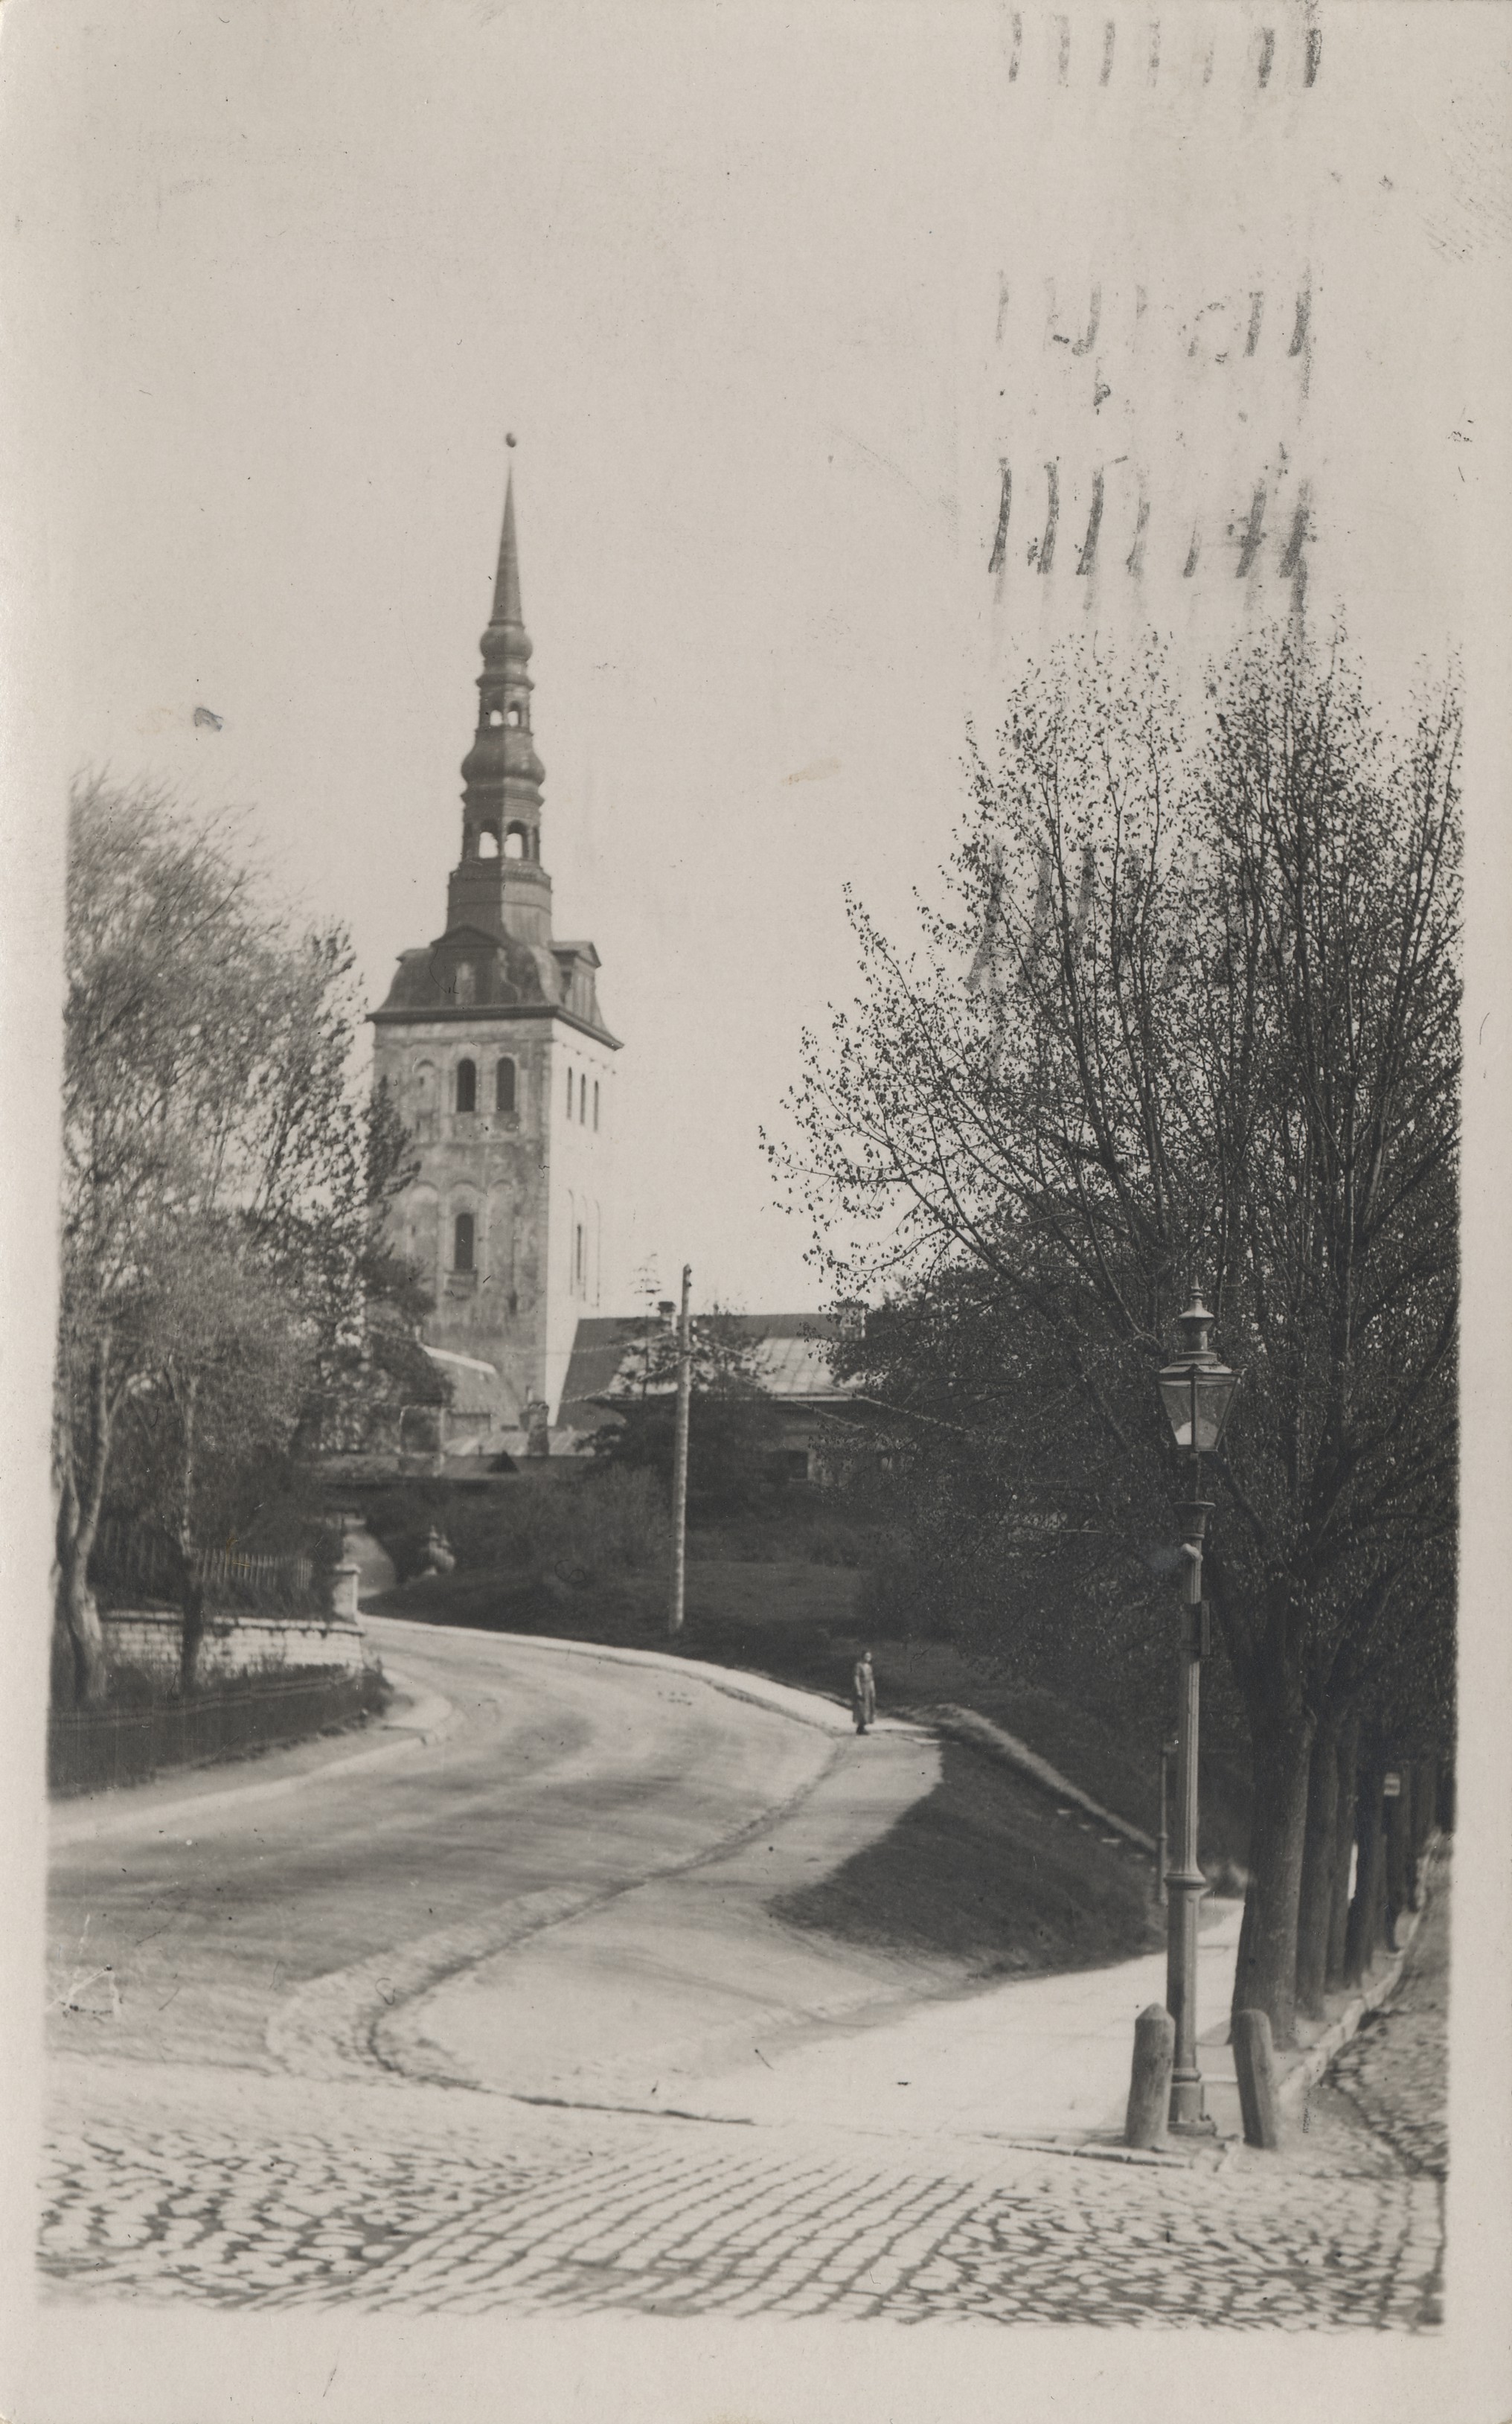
(126, 1553)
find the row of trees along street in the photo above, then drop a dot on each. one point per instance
(1210, 1038)
(227, 1298)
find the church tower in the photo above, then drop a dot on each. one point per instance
(498, 1060)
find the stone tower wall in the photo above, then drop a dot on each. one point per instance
(490, 1164)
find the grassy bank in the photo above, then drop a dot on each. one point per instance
(985, 1871)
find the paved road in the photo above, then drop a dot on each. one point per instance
(278, 1933)
(256, 2007)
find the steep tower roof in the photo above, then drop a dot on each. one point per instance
(498, 954)
(501, 772)
(506, 581)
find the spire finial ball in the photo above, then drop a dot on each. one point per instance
(509, 437)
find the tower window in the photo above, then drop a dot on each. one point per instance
(467, 1089)
(465, 983)
(495, 718)
(580, 1280)
(569, 1093)
(513, 717)
(462, 1236)
(504, 1086)
(515, 842)
(595, 1103)
(583, 1102)
(487, 842)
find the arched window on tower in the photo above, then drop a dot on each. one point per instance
(504, 1086)
(596, 1104)
(462, 1242)
(513, 717)
(515, 842)
(583, 1102)
(466, 1085)
(569, 1093)
(495, 717)
(464, 984)
(579, 1270)
(487, 842)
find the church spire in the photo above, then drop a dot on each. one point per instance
(500, 880)
(506, 581)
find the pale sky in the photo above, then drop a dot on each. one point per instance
(767, 296)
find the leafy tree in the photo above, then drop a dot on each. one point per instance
(1213, 1041)
(222, 1187)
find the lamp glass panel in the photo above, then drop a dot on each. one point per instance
(1176, 1397)
(1214, 1396)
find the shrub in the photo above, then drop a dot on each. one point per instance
(604, 1521)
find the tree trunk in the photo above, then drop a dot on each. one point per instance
(1320, 1853)
(79, 1619)
(1265, 1973)
(1425, 1807)
(191, 1589)
(1349, 1760)
(1398, 1852)
(1361, 1939)
(76, 1615)
(192, 1602)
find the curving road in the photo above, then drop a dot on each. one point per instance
(201, 1924)
(271, 1991)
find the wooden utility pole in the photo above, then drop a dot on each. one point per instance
(680, 1457)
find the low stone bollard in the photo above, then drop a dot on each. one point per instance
(1254, 2063)
(1154, 2051)
(345, 1581)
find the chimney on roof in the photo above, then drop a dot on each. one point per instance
(667, 1310)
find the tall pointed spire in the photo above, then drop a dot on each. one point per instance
(500, 880)
(506, 581)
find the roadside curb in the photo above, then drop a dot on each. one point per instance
(429, 1720)
(825, 1715)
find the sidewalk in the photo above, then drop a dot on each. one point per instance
(1039, 2058)
(1042, 2058)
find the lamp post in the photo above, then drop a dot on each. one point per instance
(1167, 1752)
(1197, 1391)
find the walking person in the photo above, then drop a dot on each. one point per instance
(864, 1693)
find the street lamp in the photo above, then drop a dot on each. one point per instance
(1197, 1391)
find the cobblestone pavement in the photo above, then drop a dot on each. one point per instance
(248, 2191)
(304, 2163)
(1395, 2071)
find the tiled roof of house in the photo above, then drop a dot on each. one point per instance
(475, 1385)
(790, 1359)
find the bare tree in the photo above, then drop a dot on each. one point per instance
(1213, 1041)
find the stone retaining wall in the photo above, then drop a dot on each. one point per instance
(149, 1639)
